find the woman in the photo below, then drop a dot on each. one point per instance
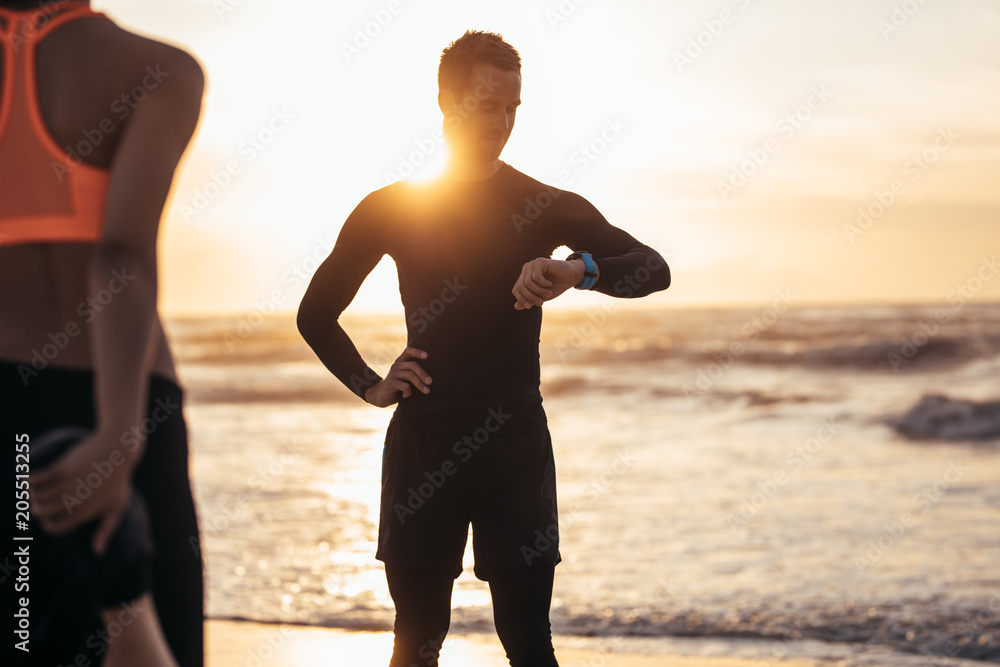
(93, 121)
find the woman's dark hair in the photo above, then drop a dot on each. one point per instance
(28, 4)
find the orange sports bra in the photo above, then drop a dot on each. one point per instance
(46, 194)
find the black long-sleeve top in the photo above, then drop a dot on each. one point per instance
(459, 249)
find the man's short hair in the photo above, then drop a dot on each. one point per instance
(475, 46)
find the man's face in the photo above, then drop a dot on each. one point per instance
(478, 123)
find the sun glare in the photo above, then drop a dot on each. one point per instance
(432, 167)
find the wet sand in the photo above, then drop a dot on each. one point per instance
(246, 644)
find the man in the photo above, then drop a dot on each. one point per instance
(468, 441)
(93, 122)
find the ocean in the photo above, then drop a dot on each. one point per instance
(783, 481)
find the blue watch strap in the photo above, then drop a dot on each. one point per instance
(589, 270)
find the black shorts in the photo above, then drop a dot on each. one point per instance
(497, 473)
(60, 397)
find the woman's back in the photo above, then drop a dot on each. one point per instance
(92, 79)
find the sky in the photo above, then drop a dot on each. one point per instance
(847, 152)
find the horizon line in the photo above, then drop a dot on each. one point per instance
(715, 306)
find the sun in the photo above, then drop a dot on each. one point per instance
(433, 167)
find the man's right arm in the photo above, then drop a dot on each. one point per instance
(357, 251)
(359, 248)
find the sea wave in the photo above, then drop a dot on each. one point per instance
(870, 354)
(239, 395)
(918, 627)
(866, 339)
(939, 417)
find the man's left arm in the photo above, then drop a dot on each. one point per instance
(638, 271)
(625, 267)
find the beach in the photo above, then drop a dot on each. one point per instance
(248, 644)
(745, 484)
(232, 644)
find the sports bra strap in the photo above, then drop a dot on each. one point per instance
(46, 194)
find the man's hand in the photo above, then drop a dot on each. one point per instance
(403, 376)
(544, 279)
(57, 497)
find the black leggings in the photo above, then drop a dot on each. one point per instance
(521, 599)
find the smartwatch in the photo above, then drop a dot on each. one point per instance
(589, 269)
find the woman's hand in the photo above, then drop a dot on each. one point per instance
(92, 480)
